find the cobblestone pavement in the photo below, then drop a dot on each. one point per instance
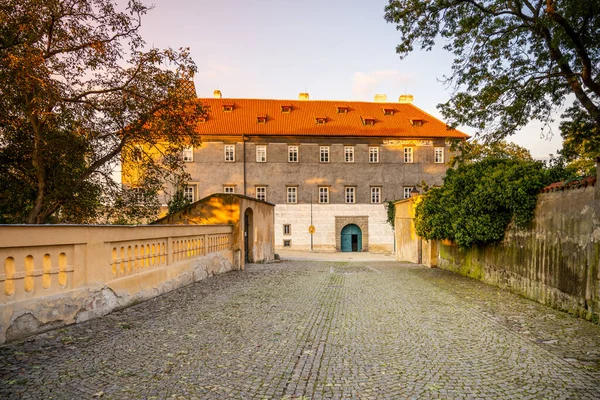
(316, 330)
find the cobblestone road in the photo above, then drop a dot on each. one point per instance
(316, 330)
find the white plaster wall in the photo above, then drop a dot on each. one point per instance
(381, 237)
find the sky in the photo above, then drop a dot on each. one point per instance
(332, 49)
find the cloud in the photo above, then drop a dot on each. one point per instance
(382, 81)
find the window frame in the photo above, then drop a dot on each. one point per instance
(324, 192)
(291, 152)
(287, 243)
(377, 190)
(440, 151)
(408, 155)
(192, 191)
(229, 149)
(187, 154)
(371, 153)
(350, 191)
(261, 149)
(291, 190)
(407, 191)
(264, 190)
(324, 150)
(287, 229)
(228, 187)
(348, 151)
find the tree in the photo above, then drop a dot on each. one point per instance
(79, 92)
(515, 60)
(581, 141)
(491, 186)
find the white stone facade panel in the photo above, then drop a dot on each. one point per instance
(298, 216)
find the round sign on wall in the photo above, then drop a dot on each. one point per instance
(311, 229)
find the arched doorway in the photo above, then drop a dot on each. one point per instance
(248, 240)
(351, 238)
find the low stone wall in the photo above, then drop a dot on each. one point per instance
(555, 261)
(59, 275)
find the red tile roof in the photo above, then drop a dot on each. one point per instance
(301, 120)
(556, 186)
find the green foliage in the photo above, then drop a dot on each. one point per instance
(514, 61)
(178, 201)
(581, 141)
(78, 91)
(480, 198)
(391, 212)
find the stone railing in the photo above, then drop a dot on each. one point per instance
(55, 275)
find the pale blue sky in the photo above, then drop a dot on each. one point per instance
(334, 49)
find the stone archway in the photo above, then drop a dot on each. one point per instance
(362, 222)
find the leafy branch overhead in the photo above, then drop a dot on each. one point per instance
(514, 61)
(79, 90)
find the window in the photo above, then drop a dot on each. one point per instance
(376, 195)
(407, 190)
(137, 153)
(373, 154)
(292, 194)
(368, 121)
(287, 229)
(439, 155)
(350, 194)
(287, 243)
(188, 154)
(230, 153)
(292, 153)
(324, 195)
(416, 122)
(388, 111)
(228, 189)
(324, 154)
(189, 193)
(408, 155)
(286, 109)
(261, 193)
(261, 119)
(349, 153)
(261, 153)
(320, 120)
(342, 110)
(227, 107)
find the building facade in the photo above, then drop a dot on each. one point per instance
(331, 165)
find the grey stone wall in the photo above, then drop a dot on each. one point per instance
(555, 261)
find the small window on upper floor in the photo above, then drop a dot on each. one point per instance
(202, 119)
(188, 154)
(229, 153)
(189, 192)
(368, 121)
(408, 155)
(388, 111)
(261, 153)
(320, 120)
(229, 189)
(286, 109)
(292, 153)
(349, 154)
(373, 154)
(416, 122)
(228, 107)
(342, 109)
(439, 155)
(261, 119)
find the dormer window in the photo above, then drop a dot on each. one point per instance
(388, 111)
(416, 122)
(202, 119)
(368, 121)
(342, 109)
(286, 109)
(261, 119)
(320, 120)
(228, 107)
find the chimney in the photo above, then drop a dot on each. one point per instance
(380, 98)
(406, 98)
(303, 96)
(217, 94)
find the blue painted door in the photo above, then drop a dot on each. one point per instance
(351, 238)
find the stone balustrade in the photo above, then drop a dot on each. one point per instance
(59, 274)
